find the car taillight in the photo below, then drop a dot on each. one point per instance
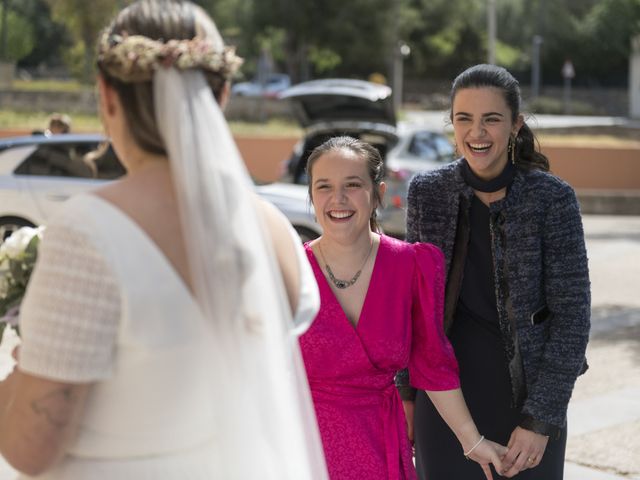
(397, 201)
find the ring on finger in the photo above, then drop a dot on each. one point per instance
(531, 459)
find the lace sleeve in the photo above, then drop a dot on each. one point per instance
(70, 315)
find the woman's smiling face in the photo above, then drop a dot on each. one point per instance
(342, 193)
(482, 124)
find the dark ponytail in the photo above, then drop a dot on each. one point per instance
(527, 155)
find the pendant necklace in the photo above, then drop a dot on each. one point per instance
(342, 284)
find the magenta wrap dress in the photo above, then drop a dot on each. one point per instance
(351, 368)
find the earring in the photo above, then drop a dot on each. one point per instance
(455, 149)
(511, 149)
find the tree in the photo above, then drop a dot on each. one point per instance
(84, 20)
(321, 37)
(19, 36)
(445, 37)
(606, 32)
(50, 37)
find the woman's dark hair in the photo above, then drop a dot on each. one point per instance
(375, 166)
(158, 20)
(527, 152)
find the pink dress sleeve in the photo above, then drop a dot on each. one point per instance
(432, 363)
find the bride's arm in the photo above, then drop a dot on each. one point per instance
(38, 418)
(278, 230)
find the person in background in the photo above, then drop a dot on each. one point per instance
(58, 123)
(159, 328)
(517, 285)
(381, 310)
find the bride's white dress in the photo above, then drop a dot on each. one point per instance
(105, 306)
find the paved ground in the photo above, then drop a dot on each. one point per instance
(604, 414)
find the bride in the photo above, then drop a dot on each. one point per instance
(159, 327)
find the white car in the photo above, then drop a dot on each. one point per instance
(38, 173)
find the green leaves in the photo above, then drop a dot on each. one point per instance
(20, 36)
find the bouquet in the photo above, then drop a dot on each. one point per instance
(18, 256)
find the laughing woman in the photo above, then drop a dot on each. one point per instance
(381, 310)
(517, 297)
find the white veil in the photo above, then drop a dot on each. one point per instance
(267, 425)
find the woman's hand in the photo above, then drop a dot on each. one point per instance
(409, 407)
(453, 409)
(487, 452)
(526, 449)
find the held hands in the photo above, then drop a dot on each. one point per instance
(409, 406)
(526, 449)
(486, 452)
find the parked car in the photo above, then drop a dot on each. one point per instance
(364, 110)
(38, 173)
(270, 88)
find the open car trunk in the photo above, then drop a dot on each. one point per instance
(333, 107)
(382, 140)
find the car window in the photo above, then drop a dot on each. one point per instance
(430, 146)
(443, 145)
(106, 164)
(72, 159)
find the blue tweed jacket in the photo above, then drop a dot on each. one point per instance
(541, 279)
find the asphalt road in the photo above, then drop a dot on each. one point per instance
(604, 413)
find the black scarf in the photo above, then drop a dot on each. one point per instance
(488, 186)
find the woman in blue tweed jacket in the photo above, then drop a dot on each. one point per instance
(517, 299)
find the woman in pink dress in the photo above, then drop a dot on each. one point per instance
(381, 311)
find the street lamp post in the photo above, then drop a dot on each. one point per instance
(568, 73)
(491, 31)
(402, 51)
(535, 66)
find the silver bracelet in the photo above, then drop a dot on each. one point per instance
(466, 454)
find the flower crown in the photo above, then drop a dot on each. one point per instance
(134, 58)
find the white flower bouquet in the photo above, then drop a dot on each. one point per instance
(18, 256)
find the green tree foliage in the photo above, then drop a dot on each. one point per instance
(445, 37)
(84, 20)
(320, 37)
(19, 36)
(607, 31)
(50, 37)
(313, 38)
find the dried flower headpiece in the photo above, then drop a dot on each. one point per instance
(134, 58)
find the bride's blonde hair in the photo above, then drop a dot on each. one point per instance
(151, 34)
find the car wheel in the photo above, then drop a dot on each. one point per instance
(306, 234)
(8, 225)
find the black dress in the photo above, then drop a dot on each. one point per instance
(476, 339)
